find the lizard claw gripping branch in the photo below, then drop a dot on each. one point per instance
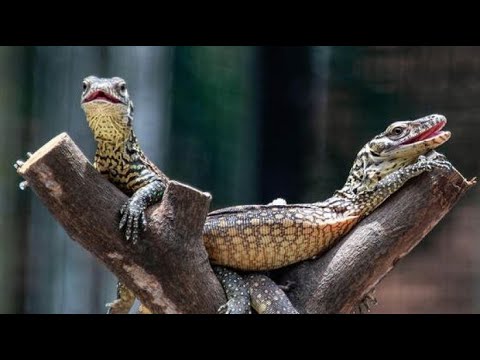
(267, 237)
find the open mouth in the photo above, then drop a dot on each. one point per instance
(102, 96)
(428, 134)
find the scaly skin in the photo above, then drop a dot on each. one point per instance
(266, 237)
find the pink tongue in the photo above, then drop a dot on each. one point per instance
(427, 135)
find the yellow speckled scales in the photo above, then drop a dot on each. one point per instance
(267, 237)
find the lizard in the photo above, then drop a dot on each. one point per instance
(272, 236)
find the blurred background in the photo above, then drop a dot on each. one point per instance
(248, 124)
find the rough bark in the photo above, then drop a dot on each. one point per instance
(170, 272)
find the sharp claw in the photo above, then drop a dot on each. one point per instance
(23, 185)
(143, 221)
(123, 220)
(18, 164)
(29, 154)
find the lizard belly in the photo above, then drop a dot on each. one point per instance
(267, 240)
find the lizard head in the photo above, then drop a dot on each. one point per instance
(108, 108)
(409, 139)
(399, 145)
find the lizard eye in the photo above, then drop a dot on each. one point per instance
(397, 131)
(122, 87)
(84, 85)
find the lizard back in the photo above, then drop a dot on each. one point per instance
(269, 237)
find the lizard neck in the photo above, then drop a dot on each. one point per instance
(125, 145)
(360, 192)
(120, 162)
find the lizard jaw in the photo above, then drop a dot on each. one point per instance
(429, 134)
(100, 95)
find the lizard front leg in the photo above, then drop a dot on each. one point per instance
(133, 211)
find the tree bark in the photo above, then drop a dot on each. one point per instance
(170, 271)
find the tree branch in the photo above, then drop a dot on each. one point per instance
(170, 273)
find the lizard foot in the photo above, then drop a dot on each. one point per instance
(133, 219)
(17, 165)
(430, 163)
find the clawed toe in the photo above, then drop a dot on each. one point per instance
(132, 220)
(18, 164)
(23, 185)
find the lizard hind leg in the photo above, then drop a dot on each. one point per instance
(124, 301)
(267, 297)
(238, 297)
